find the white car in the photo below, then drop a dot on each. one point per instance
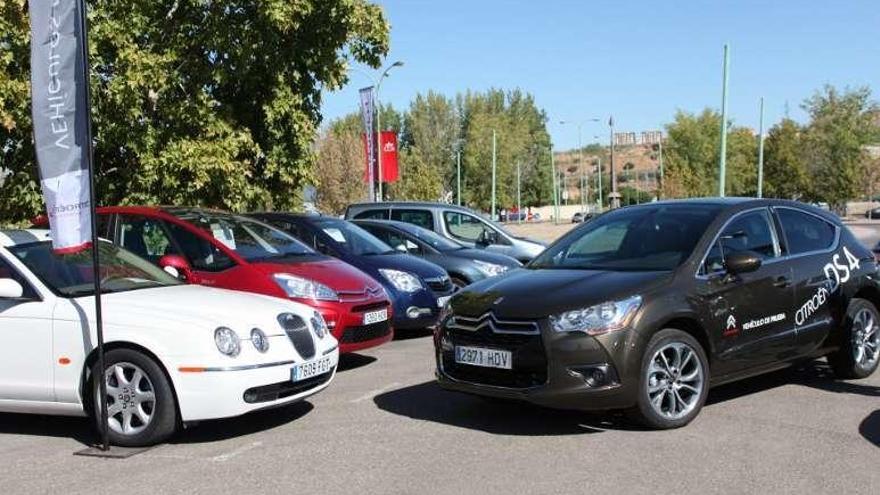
(174, 353)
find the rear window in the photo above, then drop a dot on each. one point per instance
(372, 215)
(422, 218)
(804, 232)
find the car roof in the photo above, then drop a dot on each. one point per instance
(14, 237)
(410, 204)
(294, 215)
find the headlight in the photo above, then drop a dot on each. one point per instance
(402, 281)
(490, 269)
(227, 341)
(319, 325)
(599, 319)
(259, 339)
(304, 288)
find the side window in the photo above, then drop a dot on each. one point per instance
(422, 218)
(805, 232)
(202, 255)
(749, 232)
(7, 271)
(373, 215)
(463, 226)
(144, 237)
(104, 222)
(290, 228)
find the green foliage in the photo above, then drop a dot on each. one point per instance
(691, 156)
(785, 169)
(419, 180)
(841, 124)
(202, 103)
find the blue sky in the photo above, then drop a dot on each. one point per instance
(640, 61)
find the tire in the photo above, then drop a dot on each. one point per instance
(859, 353)
(142, 408)
(681, 400)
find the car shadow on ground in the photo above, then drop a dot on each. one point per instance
(428, 402)
(815, 374)
(415, 333)
(79, 429)
(870, 428)
(255, 422)
(353, 361)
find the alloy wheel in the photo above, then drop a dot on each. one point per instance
(675, 380)
(131, 398)
(866, 339)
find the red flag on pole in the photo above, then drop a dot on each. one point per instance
(390, 171)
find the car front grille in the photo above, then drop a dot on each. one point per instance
(440, 285)
(298, 332)
(281, 390)
(529, 365)
(364, 333)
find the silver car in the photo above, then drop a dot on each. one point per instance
(460, 224)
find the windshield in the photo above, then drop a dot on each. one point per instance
(72, 275)
(250, 239)
(650, 238)
(353, 239)
(429, 236)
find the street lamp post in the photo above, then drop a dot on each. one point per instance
(615, 197)
(722, 161)
(579, 124)
(761, 152)
(379, 122)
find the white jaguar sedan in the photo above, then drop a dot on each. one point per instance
(174, 353)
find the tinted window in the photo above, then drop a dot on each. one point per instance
(422, 218)
(144, 237)
(805, 232)
(250, 239)
(373, 215)
(429, 236)
(632, 239)
(747, 232)
(352, 239)
(202, 254)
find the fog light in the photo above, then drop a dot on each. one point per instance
(250, 397)
(414, 312)
(595, 376)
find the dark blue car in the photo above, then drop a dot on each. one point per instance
(418, 288)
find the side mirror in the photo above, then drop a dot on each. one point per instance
(742, 262)
(176, 266)
(10, 289)
(401, 248)
(487, 237)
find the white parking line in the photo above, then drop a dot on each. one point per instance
(372, 393)
(241, 450)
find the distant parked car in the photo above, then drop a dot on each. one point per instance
(457, 223)
(418, 288)
(175, 354)
(873, 213)
(219, 249)
(580, 217)
(464, 265)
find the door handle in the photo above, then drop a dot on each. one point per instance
(782, 282)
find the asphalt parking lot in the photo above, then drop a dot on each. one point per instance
(384, 427)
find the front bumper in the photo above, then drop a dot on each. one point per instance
(548, 368)
(215, 393)
(347, 319)
(424, 301)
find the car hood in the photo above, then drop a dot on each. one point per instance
(333, 273)
(539, 293)
(402, 262)
(483, 255)
(186, 306)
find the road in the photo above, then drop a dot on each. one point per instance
(385, 427)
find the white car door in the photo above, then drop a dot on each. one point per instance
(26, 350)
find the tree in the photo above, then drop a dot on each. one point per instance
(341, 159)
(841, 124)
(204, 103)
(785, 171)
(418, 179)
(691, 155)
